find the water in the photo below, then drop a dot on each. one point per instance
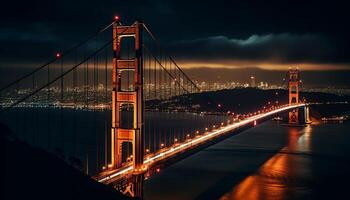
(266, 162)
(85, 135)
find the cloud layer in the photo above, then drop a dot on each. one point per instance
(282, 48)
(223, 33)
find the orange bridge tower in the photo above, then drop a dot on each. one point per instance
(293, 84)
(127, 102)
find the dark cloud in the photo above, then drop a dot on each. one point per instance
(35, 32)
(280, 48)
(285, 31)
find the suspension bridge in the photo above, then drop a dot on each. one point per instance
(119, 106)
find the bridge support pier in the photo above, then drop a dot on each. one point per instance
(306, 118)
(138, 185)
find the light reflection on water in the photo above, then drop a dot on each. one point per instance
(275, 178)
(265, 162)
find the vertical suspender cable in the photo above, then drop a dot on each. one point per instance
(105, 113)
(34, 115)
(61, 106)
(74, 100)
(48, 104)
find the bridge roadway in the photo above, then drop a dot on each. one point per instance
(110, 176)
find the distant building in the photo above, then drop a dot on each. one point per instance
(100, 87)
(263, 85)
(252, 81)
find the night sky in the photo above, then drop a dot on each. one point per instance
(259, 35)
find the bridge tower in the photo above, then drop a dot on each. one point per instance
(293, 83)
(127, 102)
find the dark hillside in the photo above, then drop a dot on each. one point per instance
(31, 173)
(242, 100)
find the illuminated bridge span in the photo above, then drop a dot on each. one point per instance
(97, 103)
(192, 143)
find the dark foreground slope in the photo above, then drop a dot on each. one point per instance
(31, 173)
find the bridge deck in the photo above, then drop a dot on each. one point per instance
(117, 174)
